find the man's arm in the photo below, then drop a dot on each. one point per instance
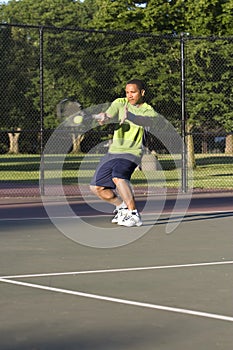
(137, 119)
(140, 120)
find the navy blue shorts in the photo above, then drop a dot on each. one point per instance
(114, 165)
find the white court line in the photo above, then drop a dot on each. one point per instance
(127, 269)
(123, 301)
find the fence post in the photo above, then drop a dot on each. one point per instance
(42, 192)
(183, 113)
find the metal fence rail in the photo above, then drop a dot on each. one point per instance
(189, 84)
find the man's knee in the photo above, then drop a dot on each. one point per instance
(96, 189)
(102, 192)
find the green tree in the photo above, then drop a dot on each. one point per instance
(59, 50)
(209, 69)
(94, 66)
(16, 104)
(118, 15)
(208, 17)
(58, 13)
(164, 17)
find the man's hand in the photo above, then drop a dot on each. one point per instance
(125, 116)
(101, 118)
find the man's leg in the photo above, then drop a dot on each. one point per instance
(131, 217)
(106, 194)
(125, 191)
(109, 196)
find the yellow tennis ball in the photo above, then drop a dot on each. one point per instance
(78, 119)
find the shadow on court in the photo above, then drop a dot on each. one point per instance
(195, 217)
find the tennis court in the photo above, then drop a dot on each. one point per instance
(165, 291)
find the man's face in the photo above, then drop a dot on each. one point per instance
(133, 94)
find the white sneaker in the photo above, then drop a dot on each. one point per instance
(119, 215)
(132, 218)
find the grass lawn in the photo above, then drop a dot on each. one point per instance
(213, 171)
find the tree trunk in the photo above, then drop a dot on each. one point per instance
(14, 142)
(204, 144)
(229, 144)
(191, 162)
(76, 141)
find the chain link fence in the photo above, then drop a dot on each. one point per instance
(188, 83)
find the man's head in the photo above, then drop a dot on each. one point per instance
(135, 90)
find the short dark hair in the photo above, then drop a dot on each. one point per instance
(140, 84)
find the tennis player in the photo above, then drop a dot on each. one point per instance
(111, 181)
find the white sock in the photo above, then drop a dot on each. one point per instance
(122, 205)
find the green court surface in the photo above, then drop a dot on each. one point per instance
(160, 292)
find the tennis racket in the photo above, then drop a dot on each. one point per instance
(71, 114)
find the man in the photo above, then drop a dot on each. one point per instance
(125, 151)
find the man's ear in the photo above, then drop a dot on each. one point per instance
(143, 92)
